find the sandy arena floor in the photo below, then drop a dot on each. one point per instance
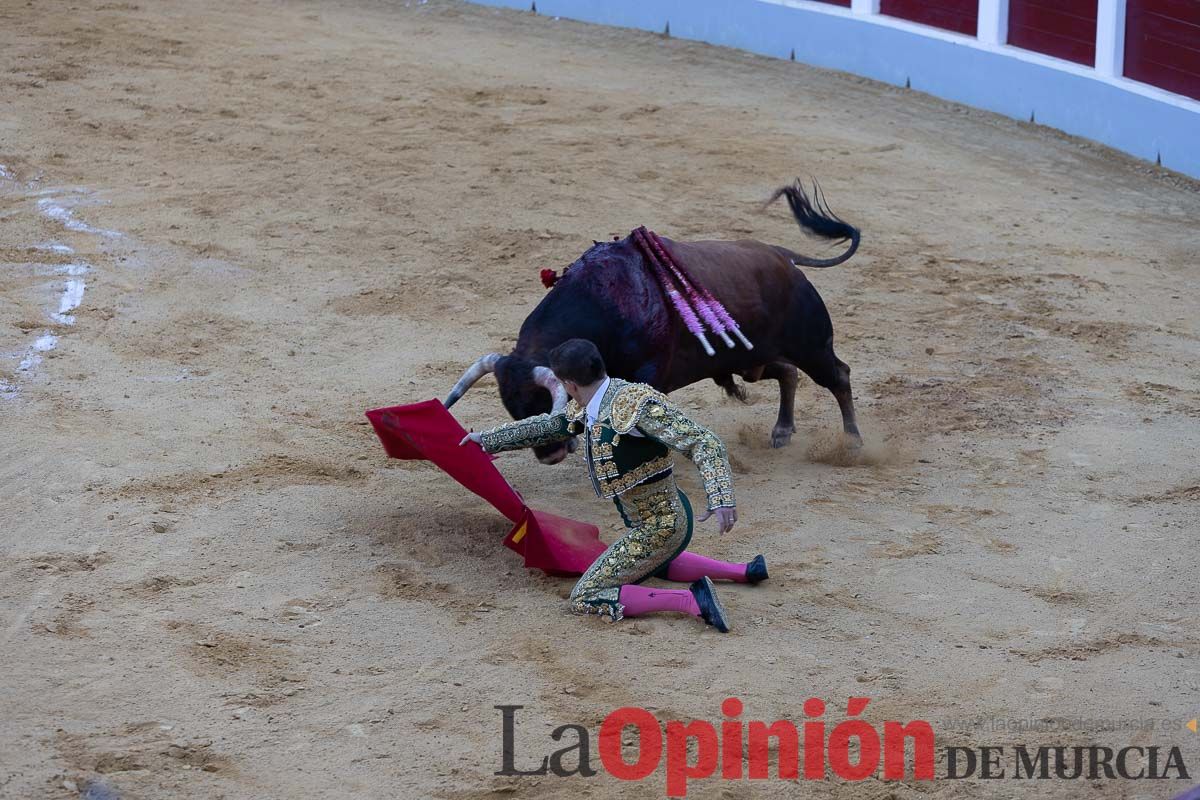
(213, 583)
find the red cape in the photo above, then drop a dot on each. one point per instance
(427, 431)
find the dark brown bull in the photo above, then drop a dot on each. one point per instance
(610, 297)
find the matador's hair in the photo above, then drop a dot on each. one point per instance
(577, 360)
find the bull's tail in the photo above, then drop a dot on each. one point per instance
(816, 218)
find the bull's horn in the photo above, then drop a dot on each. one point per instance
(543, 376)
(486, 364)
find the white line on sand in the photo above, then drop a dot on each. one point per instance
(51, 205)
(59, 213)
(72, 296)
(55, 247)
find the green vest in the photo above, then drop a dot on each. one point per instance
(617, 462)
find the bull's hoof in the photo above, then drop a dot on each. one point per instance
(854, 441)
(781, 436)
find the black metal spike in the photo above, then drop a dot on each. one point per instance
(1032, 118)
(533, 7)
(1158, 160)
(793, 54)
(667, 30)
(908, 83)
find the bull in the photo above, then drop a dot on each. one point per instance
(608, 295)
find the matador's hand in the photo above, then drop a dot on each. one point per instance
(473, 436)
(726, 517)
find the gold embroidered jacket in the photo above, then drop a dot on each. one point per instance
(617, 460)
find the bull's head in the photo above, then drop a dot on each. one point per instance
(526, 389)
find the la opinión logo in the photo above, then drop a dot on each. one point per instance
(739, 744)
(852, 750)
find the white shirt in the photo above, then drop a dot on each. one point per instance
(593, 407)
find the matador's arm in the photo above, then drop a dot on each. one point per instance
(528, 432)
(658, 418)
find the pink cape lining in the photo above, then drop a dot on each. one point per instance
(427, 431)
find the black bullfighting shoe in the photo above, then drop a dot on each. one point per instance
(710, 607)
(756, 570)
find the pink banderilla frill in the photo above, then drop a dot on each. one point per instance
(680, 301)
(685, 293)
(709, 308)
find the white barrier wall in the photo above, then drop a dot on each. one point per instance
(979, 71)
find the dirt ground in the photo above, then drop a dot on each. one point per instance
(214, 584)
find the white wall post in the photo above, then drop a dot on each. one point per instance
(1110, 38)
(864, 6)
(993, 22)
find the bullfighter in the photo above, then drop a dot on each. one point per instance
(629, 430)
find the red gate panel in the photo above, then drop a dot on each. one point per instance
(960, 16)
(1162, 44)
(1060, 28)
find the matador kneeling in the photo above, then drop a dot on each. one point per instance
(629, 430)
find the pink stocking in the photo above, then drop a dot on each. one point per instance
(639, 600)
(688, 567)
